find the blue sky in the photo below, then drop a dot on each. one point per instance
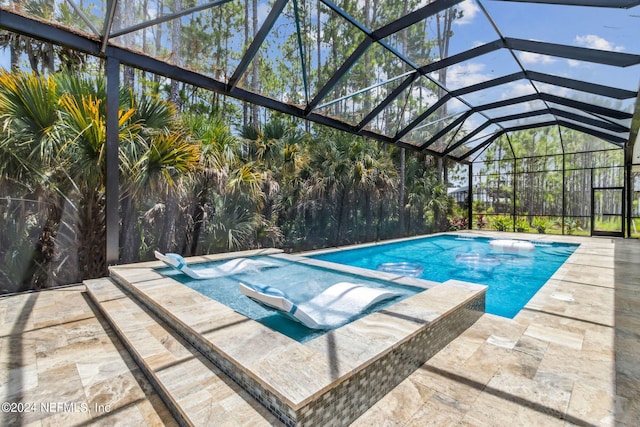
(4, 58)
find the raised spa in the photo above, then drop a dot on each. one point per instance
(326, 380)
(300, 282)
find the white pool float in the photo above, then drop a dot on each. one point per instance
(228, 268)
(403, 268)
(512, 246)
(331, 308)
(477, 259)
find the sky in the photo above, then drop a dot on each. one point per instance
(616, 30)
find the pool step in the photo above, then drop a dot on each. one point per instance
(196, 392)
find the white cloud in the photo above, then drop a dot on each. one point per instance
(518, 89)
(535, 58)
(455, 106)
(596, 42)
(463, 75)
(426, 96)
(553, 89)
(469, 12)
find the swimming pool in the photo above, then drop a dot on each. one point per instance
(512, 277)
(301, 282)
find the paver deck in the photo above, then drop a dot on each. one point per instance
(569, 358)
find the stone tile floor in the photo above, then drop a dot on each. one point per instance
(571, 357)
(62, 365)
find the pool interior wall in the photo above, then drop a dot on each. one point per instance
(327, 380)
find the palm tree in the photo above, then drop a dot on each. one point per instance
(28, 114)
(82, 130)
(329, 184)
(426, 195)
(150, 164)
(171, 156)
(376, 179)
(272, 150)
(219, 152)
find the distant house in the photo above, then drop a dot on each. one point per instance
(460, 194)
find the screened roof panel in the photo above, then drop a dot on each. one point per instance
(201, 51)
(395, 70)
(590, 72)
(605, 132)
(464, 146)
(609, 29)
(87, 17)
(354, 107)
(498, 63)
(625, 105)
(441, 115)
(419, 41)
(278, 60)
(382, 14)
(601, 121)
(406, 109)
(424, 132)
(441, 144)
(465, 124)
(129, 16)
(481, 154)
(500, 93)
(470, 126)
(373, 77)
(519, 108)
(541, 119)
(326, 60)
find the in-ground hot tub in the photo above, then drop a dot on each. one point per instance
(298, 281)
(326, 380)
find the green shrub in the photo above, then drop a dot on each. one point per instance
(522, 226)
(502, 223)
(571, 225)
(540, 224)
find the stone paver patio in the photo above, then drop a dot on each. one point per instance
(569, 358)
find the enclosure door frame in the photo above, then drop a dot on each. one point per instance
(621, 214)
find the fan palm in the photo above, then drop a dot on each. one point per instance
(170, 156)
(220, 152)
(28, 113)
(83, 130)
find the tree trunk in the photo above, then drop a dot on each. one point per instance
(368, 207)
(15, 52)
(92, 236)
(245, 105)
(255, 81)
(168, 238)
(176, 40)
(129, 235)
(401, 193)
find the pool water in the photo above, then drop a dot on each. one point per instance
(512, 278)
(301, 282)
